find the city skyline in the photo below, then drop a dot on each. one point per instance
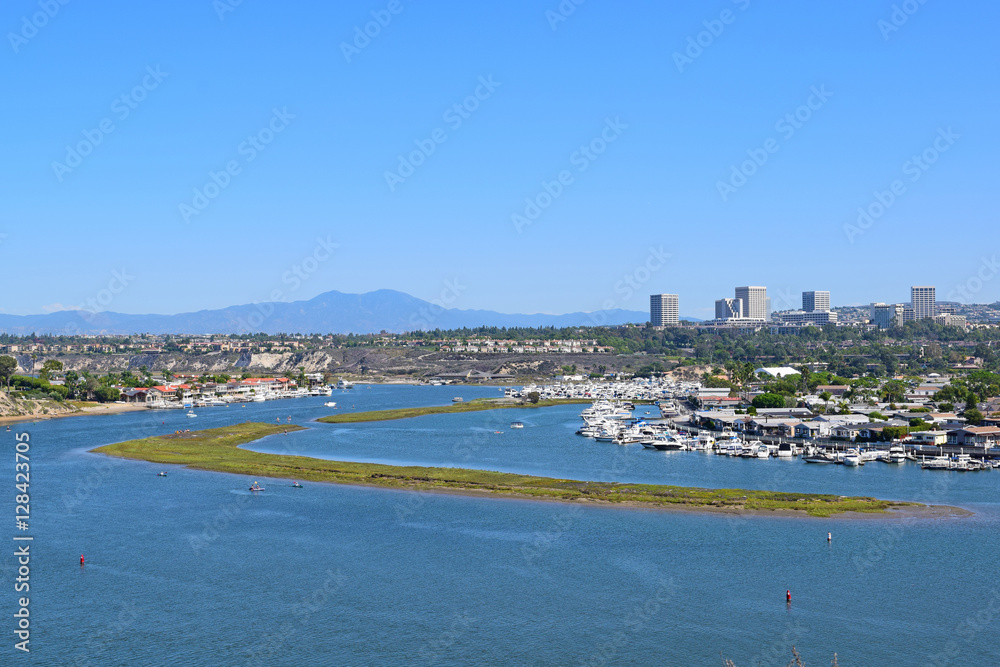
(815, 308)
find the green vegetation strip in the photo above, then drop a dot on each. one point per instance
(218, 450)
(471, 406)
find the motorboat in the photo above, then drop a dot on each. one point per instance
(457, 399)
(787, 450)
(191, 414)
(344, 384)
(936, 463)
(897, 454)
(516, 425)
(256, 487)
(853, 458)
(669, 443)
(821, 457)
(161, 474)
(330, 404)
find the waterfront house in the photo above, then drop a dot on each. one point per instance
(975, 436)
(812, 429)
(935, 438)
(137, 395)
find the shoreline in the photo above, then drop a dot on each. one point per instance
(219, 450)
(105, 409)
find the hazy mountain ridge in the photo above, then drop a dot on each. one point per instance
(330, 312)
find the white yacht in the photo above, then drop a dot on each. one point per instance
(853, 458)
(344, 384)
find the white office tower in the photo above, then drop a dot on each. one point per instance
(729, 309)
(924, 301)
(664, 310)
(754, 302)
(817, 301)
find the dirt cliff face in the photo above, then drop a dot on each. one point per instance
(32, 407)
(389, 362)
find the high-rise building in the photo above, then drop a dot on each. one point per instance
(729, 309)
(887, 315)
(924, 302)
(664, 310)
(816, 301)
(754, 302)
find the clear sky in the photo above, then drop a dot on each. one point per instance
(310, 117)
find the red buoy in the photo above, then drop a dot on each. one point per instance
(81, 559)
(788, 596)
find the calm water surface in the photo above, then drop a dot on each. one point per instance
(192, 569)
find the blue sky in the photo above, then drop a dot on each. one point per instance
(204, 82)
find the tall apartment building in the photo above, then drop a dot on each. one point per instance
(729, 309)
(816, 301)
(664, 310)
(887, 315)
(755, 302)
(924, 301)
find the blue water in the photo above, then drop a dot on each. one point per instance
(192, 569)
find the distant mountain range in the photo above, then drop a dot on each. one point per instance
(331, 312)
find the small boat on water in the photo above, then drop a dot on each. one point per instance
(897, 454)
(161, 474)
(853, 458)
(457, 399)
(330, 404)
(191, 414)
(296, 485)
(787, 450)
(517, 425)
(256, 487)
(819, 458)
